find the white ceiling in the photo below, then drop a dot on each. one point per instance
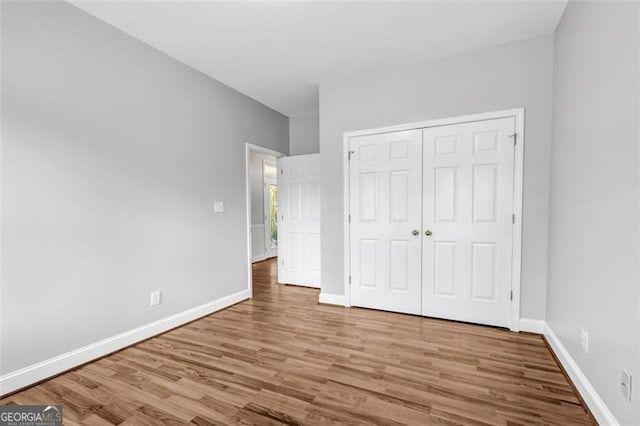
(280, 52)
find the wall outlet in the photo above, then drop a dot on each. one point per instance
(584, 340)
(155, 298)
(218, 206)
(625, 384)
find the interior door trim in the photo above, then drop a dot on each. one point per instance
(519, 138)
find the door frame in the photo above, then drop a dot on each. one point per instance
(248, 148)
(518, 179)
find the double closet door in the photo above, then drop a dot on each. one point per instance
(432, 221)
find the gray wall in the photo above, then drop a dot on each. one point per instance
(113, 154)
(508, 76)
(593, 282)
(304, 134)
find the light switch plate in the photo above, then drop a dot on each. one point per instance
(218, 207)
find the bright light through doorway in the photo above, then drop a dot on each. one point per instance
(273, 214)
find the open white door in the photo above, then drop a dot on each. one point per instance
(299, 220)
(386, 182)
(468, 206)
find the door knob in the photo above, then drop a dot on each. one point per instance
(428, 233)
(415, 232)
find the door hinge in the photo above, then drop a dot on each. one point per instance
(349, 218)
(282, 262)
(281, 171)
(513, 218)
(511, 295)
(349, 279)
(515, 138)
(351, 153)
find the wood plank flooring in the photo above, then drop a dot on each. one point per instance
(283, 358)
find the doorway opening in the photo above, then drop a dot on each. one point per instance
(261, 166)
(270, 206)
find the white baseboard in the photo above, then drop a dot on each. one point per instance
(601, 412)
(259, 258)
(532, 325)
(333, 299)
(29, 375)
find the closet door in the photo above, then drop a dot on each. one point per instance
(467, 221)
(385, 194)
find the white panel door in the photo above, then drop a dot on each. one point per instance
(385, 189)
(467, 210)
(299, 220)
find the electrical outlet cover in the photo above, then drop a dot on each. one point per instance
(155, 298)
(584, 340)
(625, 384)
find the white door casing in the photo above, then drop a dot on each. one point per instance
(467, 207)
(299, 220)
(385, 208)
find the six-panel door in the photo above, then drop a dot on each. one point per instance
(467, 207)
(385, 179)
(299, 220)
(454, 185)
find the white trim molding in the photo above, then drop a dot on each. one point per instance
(532, 325)
(35, 373)
(600, 411)
(333, 299)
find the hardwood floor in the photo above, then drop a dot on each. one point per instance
(283, 358)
